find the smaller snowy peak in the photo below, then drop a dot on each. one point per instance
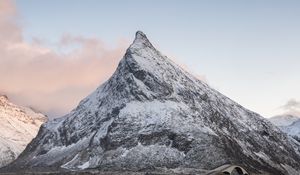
(290, 124)
(284, 120)
(3, 98)
(18, 126)
(19, 112)
(293, 130)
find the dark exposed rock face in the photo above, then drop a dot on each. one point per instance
(152, 114)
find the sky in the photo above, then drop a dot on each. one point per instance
(54, 53)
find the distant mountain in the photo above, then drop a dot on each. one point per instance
(18, 126)
(293, 130)
(152, 115)
(289, 124)
(284, 120)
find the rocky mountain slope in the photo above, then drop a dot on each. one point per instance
(151, 114)
(289, 124)
(18, 126)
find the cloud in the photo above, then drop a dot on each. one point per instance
(292, 107)
(34, 75)
(291, 104)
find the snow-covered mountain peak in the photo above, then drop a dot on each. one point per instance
(146, 63)
(139, 35)
(289, 124)
(17, 127)
(3, 98)
(284, 120)
(153, 114)
(140, 42)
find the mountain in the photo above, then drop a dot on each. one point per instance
(289, 124)
(284, 120)
(152, 115)
(293, 130)
(18, 126)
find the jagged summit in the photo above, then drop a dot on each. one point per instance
(139, 35)
(18, 126)
(289, 124)
(3, 98)
(151, 114)
(284, 119)
(145, 62)
(140, 42)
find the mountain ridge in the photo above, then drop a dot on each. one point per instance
(284, 120)
(290, 124)
(18, 126)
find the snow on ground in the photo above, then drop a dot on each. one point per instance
(284, 120)
(18, 126)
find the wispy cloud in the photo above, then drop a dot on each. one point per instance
(32, 74)
(292, 107)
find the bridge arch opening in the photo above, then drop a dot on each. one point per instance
(237, 171)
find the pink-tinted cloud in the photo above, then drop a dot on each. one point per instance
(292, 107)
(9, 30)
(31, 74)
(34, 75)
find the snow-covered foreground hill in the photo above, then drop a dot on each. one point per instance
(18, 126)
(151, 115)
